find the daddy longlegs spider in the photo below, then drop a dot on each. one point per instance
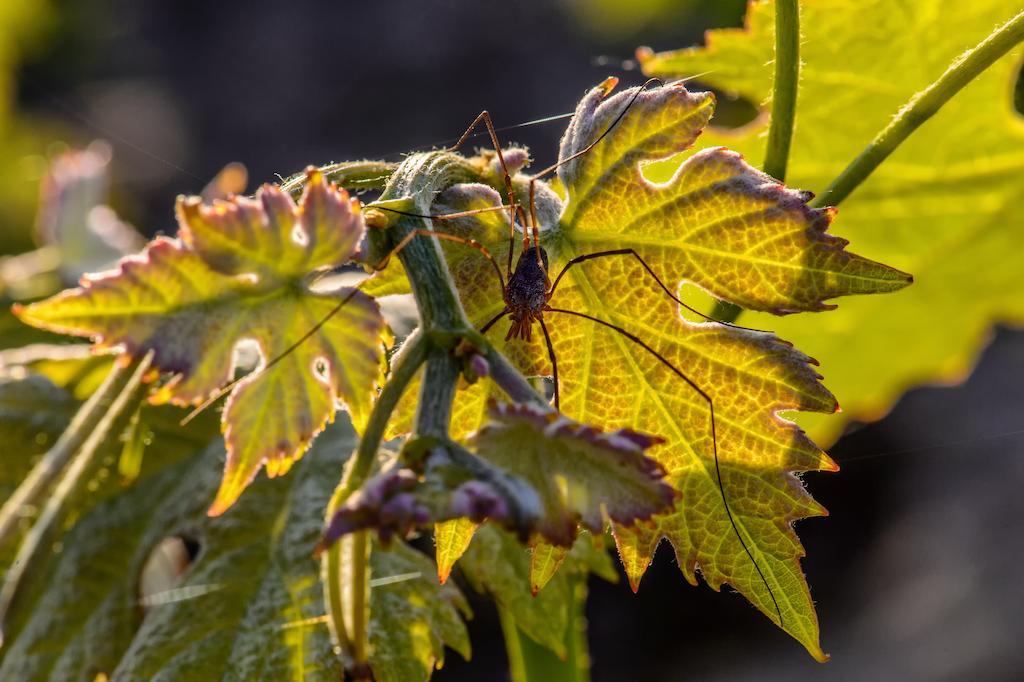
(527, 290)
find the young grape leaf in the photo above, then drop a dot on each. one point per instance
(536, 472)
(944, 206)
(730, 229)
(239, 274)
(584, 476)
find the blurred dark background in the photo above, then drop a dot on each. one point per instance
(916, 573)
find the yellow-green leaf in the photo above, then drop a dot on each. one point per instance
(944, 206)
(239, 276)
(717, 223)
(730, 229)
(452, 539)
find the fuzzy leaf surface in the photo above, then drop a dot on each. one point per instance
(238, 273)
(944, 206)
(81, 613)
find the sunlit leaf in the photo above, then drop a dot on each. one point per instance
(731, 230)
(945, 206)
(536, 472)
(240, 274)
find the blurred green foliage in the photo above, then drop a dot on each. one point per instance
(24, 26)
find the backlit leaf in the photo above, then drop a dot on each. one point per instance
(239, 274)
(944, 206)
(728, 228)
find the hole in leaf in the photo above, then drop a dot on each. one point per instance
(246, 357)
(697, 298)
(321, 369)
(164, 567)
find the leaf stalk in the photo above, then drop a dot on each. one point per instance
(119, 395)
(922, 107)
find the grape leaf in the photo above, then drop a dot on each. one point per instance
(944, 206)
(239, 273)
(724, 226)
(583, 476)
(33, 413)
(263, 622)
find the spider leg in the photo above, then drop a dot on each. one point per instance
(632, 252)
(554, 362)
(485, 118)
(714, 436)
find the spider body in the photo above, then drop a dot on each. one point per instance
(527, 293)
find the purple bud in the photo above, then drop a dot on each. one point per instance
(479, 365)
(478, 500)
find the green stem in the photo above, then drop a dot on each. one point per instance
(434, 411)
(127, 382)
(442, 324)
(350, 175)
(353, 636)
(53, 462)
(923, 106)
(787, 75)
(780, 132)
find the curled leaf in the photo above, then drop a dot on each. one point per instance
(237, 278)
(583, 475)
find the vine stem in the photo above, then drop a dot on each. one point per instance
(119, 395)
(787, 76)
(53, 462)
(344, 563)
(443, 324)
(349, 174)
(923, 106)
(783, 116)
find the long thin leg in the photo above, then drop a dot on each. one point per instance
(632, 252)
(490, 323)
(442, 216)
(485, 117)
(554, 362)
(714, 436)
(472, 243)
